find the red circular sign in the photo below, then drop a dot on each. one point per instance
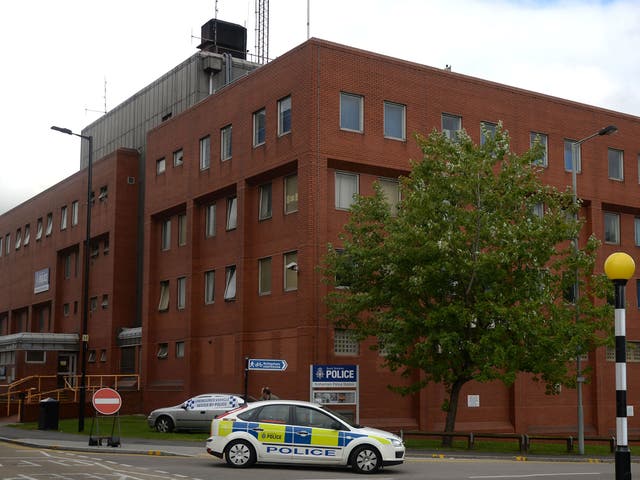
(107, 401)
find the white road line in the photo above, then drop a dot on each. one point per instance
(535, 475)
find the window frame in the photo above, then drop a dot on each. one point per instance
(619, 160)
(181, 293)
(165, 235)
(345, 122)
(265, 279)
(39, 228)
(616, 230)
(209, 287)
(543, 138)
(636, 229)
(403, 121)
(232, 213)
(568, 150)
(393, 203)
(205, 153)
(180, 349)
(161, 166)
(226, 143)
(63, 217)
(210, 220)
(265, 203)
(178, 158)
(288, 203)
(27, 235)
(182, 229)
(165, 296)
(74, 213)
(339, 201)
(259, 127)
(345, 343)
(284, 116)
(486, 126)
(230, 283)
(290, 276)
(49, 228)
(452, 135)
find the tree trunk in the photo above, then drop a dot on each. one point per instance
(450, 422)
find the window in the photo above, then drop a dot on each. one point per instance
(181, 292)
(391, 190)
(35, 356)
(105, 301)
(165, 241)
(95, 249)
(103, 193)
(209, 286)
(18, 239)
(1, 250)
(182, 230)
(568, 156)
(541, 138)
(205, 152)
(611, 228)
(91, 358)
(290, 271)
(161, 166)
(49, 224)
(638, 292)
(232, 213)
(259, 119)
(63, 218)
(616, 171)
(178, 158)
(284, 116)
(39, 229)
(210, 220)
(291, 194)
(351, 112)
(487, 131)
(163, 304)
(163, 351)
(451, 126)
(639, 168)
(103, 355)
(7, 243)
(74, 213)
(345, 343)
(225, 143)
(265, 202)
(179, 349)
(636, 228)
(230, 283)
(346, 189)
(394, 121)
(264, 276)
(93, 304)
(538, 209)
(27, 234)
(65, 309)
(105, 249)
(67, 266)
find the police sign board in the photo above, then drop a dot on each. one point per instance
(334, 376)
(267, 364)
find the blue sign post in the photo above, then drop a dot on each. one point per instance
(264, 364)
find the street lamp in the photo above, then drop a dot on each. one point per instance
(85, 281)
(575, 161)
(619, 267)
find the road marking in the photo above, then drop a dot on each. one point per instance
(535, 475)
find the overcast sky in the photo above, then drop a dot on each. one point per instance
(56, 56)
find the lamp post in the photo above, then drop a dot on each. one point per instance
(85, 281)
(575, 161)
(619, 267)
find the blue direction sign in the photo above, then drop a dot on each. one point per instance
(267, 364)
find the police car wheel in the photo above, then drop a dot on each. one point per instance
(240, 454)
(164, 424)
(365, 459)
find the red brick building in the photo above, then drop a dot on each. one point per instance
(244, 190)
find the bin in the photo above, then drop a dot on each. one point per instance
(49, 414)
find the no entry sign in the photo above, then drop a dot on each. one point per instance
(107, 401)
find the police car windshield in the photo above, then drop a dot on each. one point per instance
(341, 417)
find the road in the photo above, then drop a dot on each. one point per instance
(27, 463)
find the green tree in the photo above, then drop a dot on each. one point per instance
(472, 279)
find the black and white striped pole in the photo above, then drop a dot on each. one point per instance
(620, 267)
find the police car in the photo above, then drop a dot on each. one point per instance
(288, 431)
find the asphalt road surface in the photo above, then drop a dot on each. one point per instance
(27, 463)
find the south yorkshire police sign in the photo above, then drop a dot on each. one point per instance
(334, 376)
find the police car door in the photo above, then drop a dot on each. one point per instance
(273, 433)
(316, 436)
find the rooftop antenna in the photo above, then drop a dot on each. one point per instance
(262, 31)
(104, 98)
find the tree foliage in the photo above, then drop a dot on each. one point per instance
(468, 281)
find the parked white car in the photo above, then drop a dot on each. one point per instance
(285, 431)
(195, 413)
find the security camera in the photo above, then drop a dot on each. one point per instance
(292, 266)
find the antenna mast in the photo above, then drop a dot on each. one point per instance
(262, 31)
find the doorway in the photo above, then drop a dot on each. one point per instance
(66, 366)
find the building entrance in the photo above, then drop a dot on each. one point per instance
(66, 366)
